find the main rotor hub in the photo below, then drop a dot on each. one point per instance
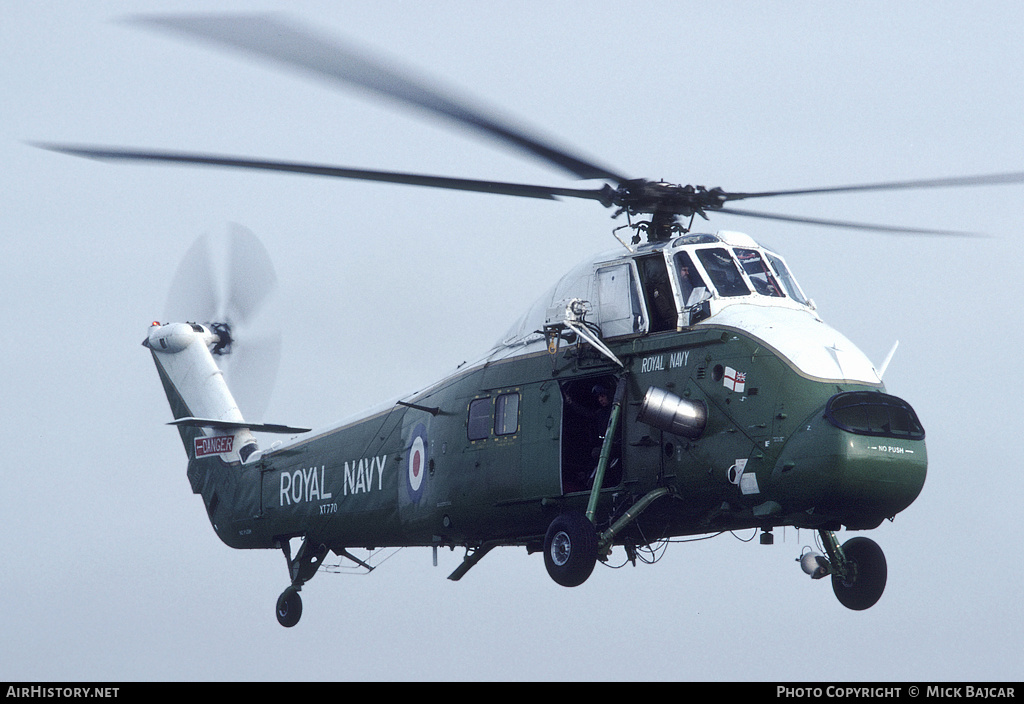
(665, 203)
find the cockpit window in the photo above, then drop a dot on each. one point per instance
(692, 288)
(790, 284)
(758, 273)
(723, 272)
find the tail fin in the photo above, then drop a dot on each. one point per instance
(204, 410)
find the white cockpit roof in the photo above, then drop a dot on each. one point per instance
(666, 285)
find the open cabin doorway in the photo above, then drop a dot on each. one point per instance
(586, 410)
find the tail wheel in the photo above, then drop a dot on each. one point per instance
(863, 587)
(570, 549)
(289, 607)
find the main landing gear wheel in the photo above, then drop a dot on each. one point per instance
(863, 587)
(289, 607)
(570, 549)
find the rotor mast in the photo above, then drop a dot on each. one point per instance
(666, 203)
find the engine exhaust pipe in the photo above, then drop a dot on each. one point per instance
(673, 414)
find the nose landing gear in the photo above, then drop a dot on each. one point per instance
(861, 584)
(858, 569)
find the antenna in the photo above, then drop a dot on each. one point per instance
(888, 358)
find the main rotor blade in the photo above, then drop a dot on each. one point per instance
(459, 184)
(956, 181)
(847, 224)
(298, 47)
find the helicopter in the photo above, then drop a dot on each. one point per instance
(681, 385)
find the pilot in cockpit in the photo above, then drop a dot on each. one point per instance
(691, 285)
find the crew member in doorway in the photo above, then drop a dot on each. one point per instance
(596, 417)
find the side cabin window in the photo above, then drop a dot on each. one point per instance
(758, 272)
(506, 414)
(719, 265)
(788, 282)
(661, 304)
(618, 301)
(478, 426)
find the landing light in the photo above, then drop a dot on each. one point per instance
(814, 564)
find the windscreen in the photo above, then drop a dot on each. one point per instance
(758, 273)
(725, 277)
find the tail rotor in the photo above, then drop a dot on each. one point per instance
(227, 281)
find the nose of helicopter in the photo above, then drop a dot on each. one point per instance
(861, 460)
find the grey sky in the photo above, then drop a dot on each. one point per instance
(110, 568)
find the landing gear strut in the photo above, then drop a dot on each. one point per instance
(301, 569)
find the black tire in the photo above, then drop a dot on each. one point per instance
(289, 607)
(865, 588)
(570, 549)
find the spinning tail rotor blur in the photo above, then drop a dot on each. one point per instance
(227, 281)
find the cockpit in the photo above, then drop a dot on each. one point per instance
(728, 266)
(666, 286)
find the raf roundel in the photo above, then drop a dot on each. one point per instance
(417, 463)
